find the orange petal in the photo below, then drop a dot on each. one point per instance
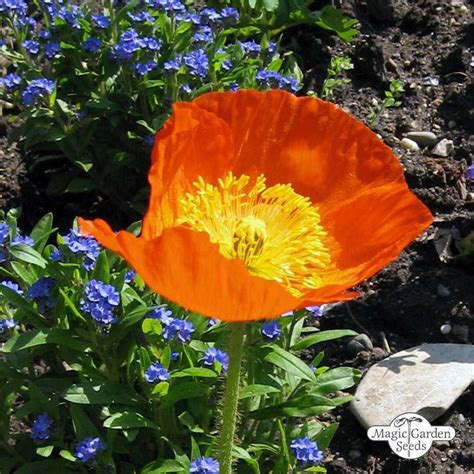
(192, 143)
(186, 268)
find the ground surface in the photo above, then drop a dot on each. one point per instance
(429, 46)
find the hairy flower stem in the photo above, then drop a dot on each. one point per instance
(231, 397)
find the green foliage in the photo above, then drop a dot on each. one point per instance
(336, 75)
(392, 98)
(90, 378)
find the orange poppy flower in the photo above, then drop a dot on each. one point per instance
(263, 202)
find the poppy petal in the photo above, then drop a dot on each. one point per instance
(192, 143)
(185, 267)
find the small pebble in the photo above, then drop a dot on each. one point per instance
(423, 138)
(461, 331)
(445, 329)
(360, 343)
(354, 454)
(461, 418)
(379, 353)
(443, 148)
(442, 445)
(410, 145)
(452, 124)
(443, 291)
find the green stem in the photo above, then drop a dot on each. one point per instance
(231, 397)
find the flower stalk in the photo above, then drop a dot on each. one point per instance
(231, 397)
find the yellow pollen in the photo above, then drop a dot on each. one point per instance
(274, 231)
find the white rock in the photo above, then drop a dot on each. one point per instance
(409, 144)
(426, 379)
(423, 138)
(445, 329)
(443, 148)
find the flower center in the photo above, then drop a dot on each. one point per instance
(274, 231)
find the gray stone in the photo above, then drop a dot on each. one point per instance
(445, 329)
(360, 343)
(426, 379)
(461, 331)
(443, 290)
(443, 148)
(423, 138)
(409, 145)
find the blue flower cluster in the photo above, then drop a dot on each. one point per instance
(272, 80)
(40, 291)
(100, 302)
(83, 245)
(213, 355)
(306, 451)
(40, 427)
(13, 286)
(156, 373)
(87, 449)
(37, 88)
(4, 239)
(130, 42)
(315, 311)
(271, 330)
(12, 7)
(204, 466)
(23, 239)
(172, 327)
(10, 82)
(92, 44)
(6, 324)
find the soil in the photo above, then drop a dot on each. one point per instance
(427, 44)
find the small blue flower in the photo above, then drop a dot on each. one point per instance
(87, 449)
(4, 233)
(83, 245)
(149, 140)
(212, 322)
(92, 44)
(44, 34)
(12, 7)
(101, 21)
(10, 82)
(40, 427)
(470, 173)
(144, 68)
(271, 330)
(226, 65)
(167, 6)
(213, 355)
(186, 88)
(174, 356)
(31, 46)
(56, 255)
(203, 35)
(211, 17)
(230, 15)
(197, 63)
(173, 65)
(100, 301)
(37, 88)
(41, 288)
(150, 43)
(71, 15)
(204, 466)
(251, 48)
(156, 373)
(6, 324)
(141, 17)
(24, 240)
(51, 49)
(183, 330)
(306, 451)
(315, 311)
(234, 86)
(13, 286)
(130, 276)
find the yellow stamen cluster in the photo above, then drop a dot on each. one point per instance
(275, 231)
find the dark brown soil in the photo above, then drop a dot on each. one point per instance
(428, 44)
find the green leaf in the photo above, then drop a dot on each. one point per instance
(100, 394)
(339, 378)
(27, 254)
(42, 230)
(167, 465)
(289, 363)
(44, 451)
(50, 466)
(129, 420)
(40, 337)
(257, 390)
(101, 269)
(322, 336)
(331, 18)
(65, 454)
(151, 326)
(82, 424)
(194, 372)
(80, 185)
(15, 299)
(184, 391)
(324, 438)
(26, 275)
